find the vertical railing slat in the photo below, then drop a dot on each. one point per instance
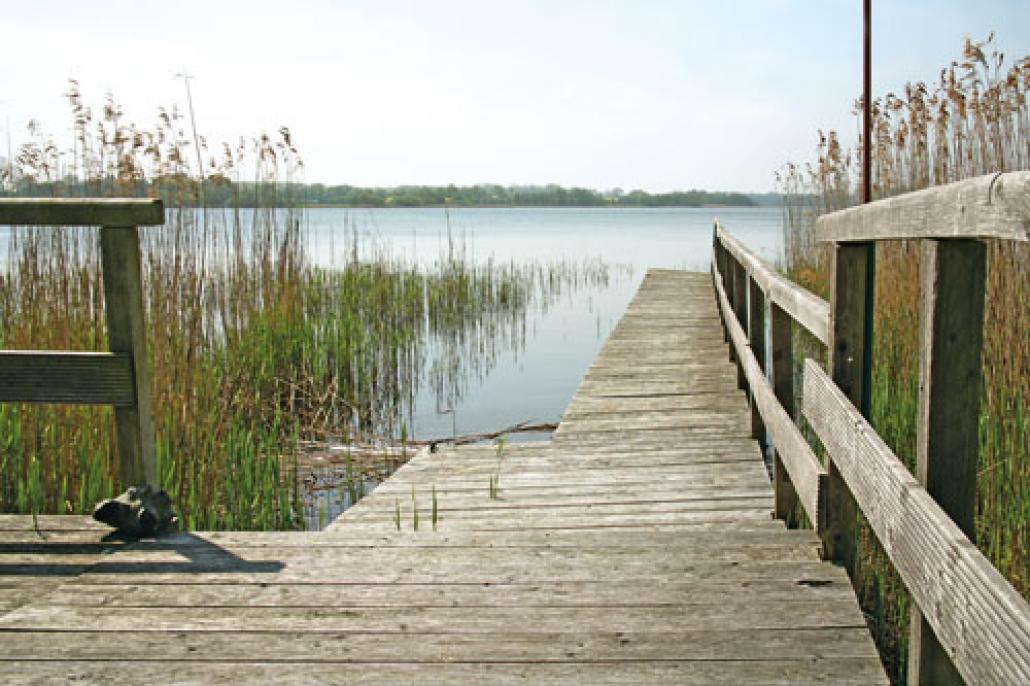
(740, 296)
(851, 284)
(781, 346)
(947, 431)
(756, 337)
(126, 333)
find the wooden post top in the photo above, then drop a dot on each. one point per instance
(81, 211)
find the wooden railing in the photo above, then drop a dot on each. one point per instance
(120, 377)
(969, 624)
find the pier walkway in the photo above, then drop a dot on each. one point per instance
(636, 546)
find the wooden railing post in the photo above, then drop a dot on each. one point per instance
(781, 345)
(951, 341)
(756, 337)
(719, 254)
(740, 296)
(122, 377)
(851, 301)
(126, 333)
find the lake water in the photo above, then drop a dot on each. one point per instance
(535, 382)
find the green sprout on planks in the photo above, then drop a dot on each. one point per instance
(436, 512)
(495, 478)
(414, 509)
(397, 513)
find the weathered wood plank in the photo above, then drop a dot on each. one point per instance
(449, 620)
(966, 601)
(991, 206)
(37, 376)
(463, 570)
(544, 594)
(81, 211)
(311, 668)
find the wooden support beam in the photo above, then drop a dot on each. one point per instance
(781, 345)
(850, 343)
(756, 339)
(951, 331)
(87, 378)
(720, 258)
(126, 334)
(740, 295)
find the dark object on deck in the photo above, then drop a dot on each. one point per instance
(139, 512)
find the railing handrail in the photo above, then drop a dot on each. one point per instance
(804, 307)
(120, 377)
(991, 206)
(970, 605)
(81, 212)
(806, 473)
(978, 622)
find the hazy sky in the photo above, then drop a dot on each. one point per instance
(657, 95)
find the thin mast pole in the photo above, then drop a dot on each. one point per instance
(867, 107)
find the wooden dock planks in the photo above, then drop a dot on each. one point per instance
(636, 546)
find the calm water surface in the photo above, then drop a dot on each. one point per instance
(535, 382)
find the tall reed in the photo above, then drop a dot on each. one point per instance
(973, 120)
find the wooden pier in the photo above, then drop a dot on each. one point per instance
(636, 546)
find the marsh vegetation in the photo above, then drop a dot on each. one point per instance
(973, 120)
(255, 349)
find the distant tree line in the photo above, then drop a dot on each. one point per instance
(493, 195)
(219, 191)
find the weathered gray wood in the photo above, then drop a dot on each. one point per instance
(745, 671)
(544, 594)
(981, 620)
(851, 281)
(991, 206)
(781, 346)
(807, 309)
(756, 339)
(947, 433)
(126, 334)
(738, 274)
(66, 377)
(81, 212)
(771, 616)
(807, 474)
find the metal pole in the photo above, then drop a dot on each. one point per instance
(866, 402)
(867, 108)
